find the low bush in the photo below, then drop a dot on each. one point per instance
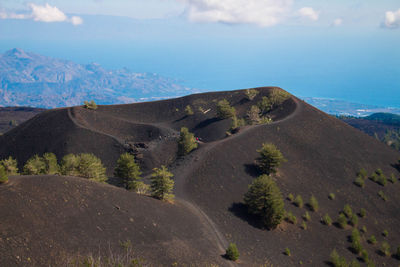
(355, 235)
(291, 218)
(298, 201)
(354, 220)
(372, 240)
(90, 105)
(382, 196)
(331, 196)
(392, 178)
(385, 248)
(327, 219)
(91, 167)
(287, 252)
(342, 220)
(34, 166)
(187, 142)
(3, 175)
(307, 216)
(364, 255)
(313, 203)
(364, 229)
(336, 260)
(253, 115)
(232, 252)
(290, 197)
(347, 211)
(362, 173)
(359, 181)
(189, 110)
(385, 233)
(10, 165)
(224, 110)
(304, 225)
(363, 213)
(251, 93)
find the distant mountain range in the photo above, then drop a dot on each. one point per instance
(28, 79)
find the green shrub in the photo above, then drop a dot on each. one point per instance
(385, 233)
(251, 93)
(35, 166)
(189, 110)
(90, 167)
(291, 218)
(355, 235)
(363, 213)
(364, 255)
(162, 184)
(275, 99)
(374, 177)
(392, 178)
(69, 165)
(382, 196)
(327, 219)
(397, 255)
(313, 203)
(10, 165)
(224, 110)
(359, 181)
(372, 240)
(331, 196)
(51, 165)
(342, 220)
(337, 261)
(356, 246)
(128, 170)
(290, 197)
(382, 180)
(187, 142)
(287, 252)
(362, 173)
(304, 225)
(253, 115)
(141, 188)
(307, 216)
(237, 123)
(270, 158)
(265, 199)
(385, 248)
(364, 229)
(354, 220)
(299, 201)
(90, 105)
(3, 175)
(232, 253)
(265, 119)
(354, 263)
(347, 211)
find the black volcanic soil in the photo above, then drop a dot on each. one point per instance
(323, 156)
(11, 115)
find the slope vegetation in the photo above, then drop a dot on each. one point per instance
(323, 157)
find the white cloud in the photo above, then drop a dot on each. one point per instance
(337, 22)
(392, 19)
(309, 13)
(260, 12)
(46, 13)
(76, 20)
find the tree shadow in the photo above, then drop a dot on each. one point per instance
(240, 210)
(205, 123)
(181, 119)
(252, 170)
(396, 166)
(116, 181)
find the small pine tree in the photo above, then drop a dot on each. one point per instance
(291, 218)
(354, 220)
(224, 110)
(128, 170)
(342, 220)
(90, 105)
(51, 165)
(35, 166)
(287, 252)
(372, 240)
(385, 233)
(251, 93)
(189, 110)
(307, 216)
(359, 181)
(336, 260)
(69, 165)
(232, 252)
(362, 173)
(290, 197)
(265, 199)
(162, 184)
(270, 158)
(186, 142)
(10, 165)
(90, 167)
(364, 255)
(331, 196)
(253, 115)
(313, 203)
(397, 254)
(3, 175)
(363, 213)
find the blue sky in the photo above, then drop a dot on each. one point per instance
(341, 49)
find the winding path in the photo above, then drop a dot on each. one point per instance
(181, 171)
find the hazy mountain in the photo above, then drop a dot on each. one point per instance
(34, 80)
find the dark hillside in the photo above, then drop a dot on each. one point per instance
(10, 117)
(323, 156)
(48, 220)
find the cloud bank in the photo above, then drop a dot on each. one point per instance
(308, 13)
(337, 22)
(392, 19)
(45, 13)
(263, 13)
